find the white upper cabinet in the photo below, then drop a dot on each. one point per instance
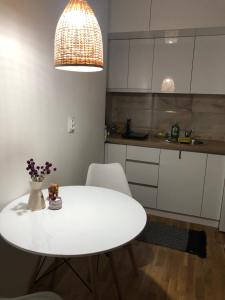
(172, 67)
(140, 64)
(209, 65)
(213, 188)
(181, 181)
(129, 15)
(118, 64)
(130, 65)
(180, 14)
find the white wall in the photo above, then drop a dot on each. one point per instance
(35, 101)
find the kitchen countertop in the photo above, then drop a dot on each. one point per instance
(210, 147)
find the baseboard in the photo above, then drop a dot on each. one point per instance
(184, 218)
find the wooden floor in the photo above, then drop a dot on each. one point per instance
(164, 273)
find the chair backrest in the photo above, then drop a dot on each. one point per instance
(109, 176)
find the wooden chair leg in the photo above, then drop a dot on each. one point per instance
(92, 270)
(115, 276)
(34, 274)
(132, 258)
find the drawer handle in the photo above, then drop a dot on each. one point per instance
(180, 154)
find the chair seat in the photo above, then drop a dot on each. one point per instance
(37, 296)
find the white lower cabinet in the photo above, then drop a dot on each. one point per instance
(213, 188)
(142, 173)
(188, 183)
(181, 181)
(116, 154)
(143, 154)
(144, 194)
(222, 216)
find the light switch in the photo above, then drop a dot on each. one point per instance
(71, 124)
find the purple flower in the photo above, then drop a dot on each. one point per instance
(38, 172)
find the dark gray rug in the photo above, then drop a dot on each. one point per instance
(171, 236)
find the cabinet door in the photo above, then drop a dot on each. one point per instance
(182, 14)
(140, 64)
(118, 64)
(209, 65)
(129, 15)
(173, 65)
(115, 154)
(181, 180)
(222, 216)
(213, 188)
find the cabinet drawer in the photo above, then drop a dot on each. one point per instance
(143, 154)
(145, 195)
(142, 173)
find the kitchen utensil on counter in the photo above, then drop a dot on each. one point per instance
(188, 133)
(129, 134)
(162, 135)
(197, 142)
(184, 140)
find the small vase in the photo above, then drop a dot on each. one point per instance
(36, 199)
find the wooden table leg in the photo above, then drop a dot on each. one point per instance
(92, 270)
(132, 258)
(115, 276)
(34, 274)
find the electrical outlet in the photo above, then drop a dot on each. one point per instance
(71, 124)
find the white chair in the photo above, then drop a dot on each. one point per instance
(37, 296)
(111, 176)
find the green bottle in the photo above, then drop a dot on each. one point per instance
(175, 131)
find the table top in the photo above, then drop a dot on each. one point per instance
(92, 220)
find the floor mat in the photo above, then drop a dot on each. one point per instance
(191, 241)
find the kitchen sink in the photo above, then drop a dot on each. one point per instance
(193, 142)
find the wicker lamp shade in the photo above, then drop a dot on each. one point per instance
(78, 39)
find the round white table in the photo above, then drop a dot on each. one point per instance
(92, 220)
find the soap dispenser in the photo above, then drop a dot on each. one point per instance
(175, 131)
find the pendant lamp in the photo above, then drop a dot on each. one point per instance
(78, 39)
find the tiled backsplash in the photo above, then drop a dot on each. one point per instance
(204, 114)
